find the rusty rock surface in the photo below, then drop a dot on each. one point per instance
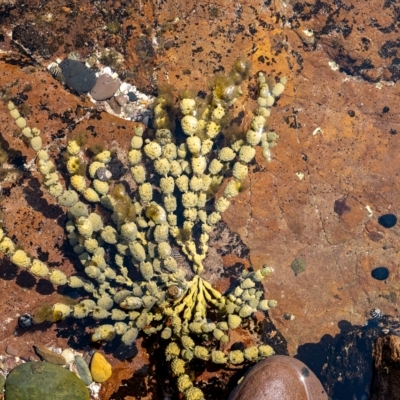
(333, 173)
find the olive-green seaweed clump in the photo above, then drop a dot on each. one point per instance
(168, 211)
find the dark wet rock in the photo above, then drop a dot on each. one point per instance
(386, 383)
(41, 380)
(105, 87)
(132, 96)
(25, 321)
(380, 273)
(346, 372)
(279, 377)
(298, 265)
(77, 76)
(387, 220)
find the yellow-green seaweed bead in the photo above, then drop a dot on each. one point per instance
(103, 157)
(136, 142)
(184, 383)
(57, 277)
(21, 122)
(236, 357)
(73, 148)
(39, 269)
(201, 352)
(134, 156)
(234, 321)
(85, 227)
(194, 393)
(101, 187)
(215, 167)
(247, 153)
(172, 350)
(36, 143)
(137, 251)
(146, 192)
(152, 150)
(91, 195)
(27, 132)
(182, 182)
(139, 174)
(68, 198)
(78, 183)
(187, 106)
(7, 246)
(218, 357)
(167, 185)
(199, 165)
(21, 259)
(189, 125)
(15, 113)
(265, 350)
(129, 337)
(251, 353)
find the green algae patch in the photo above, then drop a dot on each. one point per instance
(41, 380)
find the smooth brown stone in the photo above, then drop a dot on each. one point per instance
(279, 378)
(49, 356)
(105, 87)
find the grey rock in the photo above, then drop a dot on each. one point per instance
(83, 370)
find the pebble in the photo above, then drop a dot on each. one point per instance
(122, 99)
(100, 368)
(77, 76)
(114, 105)
(277, 378)
(39, 380)
(105, 87)
(83, 370)
(132, 97)
(125, 87)
(387, 220)
(49, 356)
(25, 321)
(380, 273)
(69, 355)
(12, 350)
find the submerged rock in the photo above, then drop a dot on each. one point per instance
(100, 368)
(77, 75)
(42, 380)
(105, 87)
(277, 378)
